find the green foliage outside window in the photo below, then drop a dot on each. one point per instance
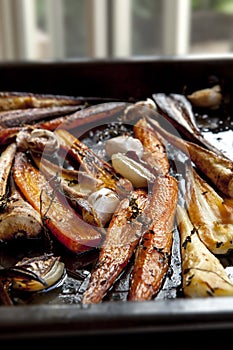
(215, 5)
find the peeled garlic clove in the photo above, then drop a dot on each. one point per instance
(207, 98)
(133, 171)
(123, 144)
(104, 203)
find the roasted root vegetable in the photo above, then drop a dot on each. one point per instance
(19, 219)
(217, 168)
(155, 152)
(66, 225)
(6, 161)
(212, 219)
(88, 161)
(10, 100)
(53, 117)
(153, 253)
(118, 204)
(22, 117)
(202, 273)
(93, 116)
(121, 239)
(178, 110)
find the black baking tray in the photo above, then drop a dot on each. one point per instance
(123, 79)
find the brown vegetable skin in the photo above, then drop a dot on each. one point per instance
(92, 164)
(210, 216)
(10, 100)
(153, 253)
(177, 109)
(154, 149)
(121, 240)
(21, 117)
(6, 160)
(7, 135)
(61, 220)
(203, 275)
(95, 115)
(217, 168)
(19, 219)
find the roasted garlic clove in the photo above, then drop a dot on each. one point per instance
(207, 98)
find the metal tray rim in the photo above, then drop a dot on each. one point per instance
(117, 317)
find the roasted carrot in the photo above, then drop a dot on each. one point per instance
(63, 222)
(92, 164)
(153, 252)
(8, 135)
(154, 149)
(122, 237)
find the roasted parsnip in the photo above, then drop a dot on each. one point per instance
(21, 117)
(217, 168)
(6, 161)
(178, 110)
(212, 219)
(94, 115)
(10, 100)
(202, 273)
(19, 218)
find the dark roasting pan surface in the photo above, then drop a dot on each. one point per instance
(132, 79)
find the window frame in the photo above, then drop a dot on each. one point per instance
(108, 28)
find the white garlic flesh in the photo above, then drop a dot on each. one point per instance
(104, 203)
(132, 170)
(123, 144)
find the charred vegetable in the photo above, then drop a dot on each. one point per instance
(203, 274)
(154, 251)
(217, 168)
(66, 225)
(208, 213)
(37, 274)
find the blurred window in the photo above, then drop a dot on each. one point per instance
(61, 29)
(211, 26)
